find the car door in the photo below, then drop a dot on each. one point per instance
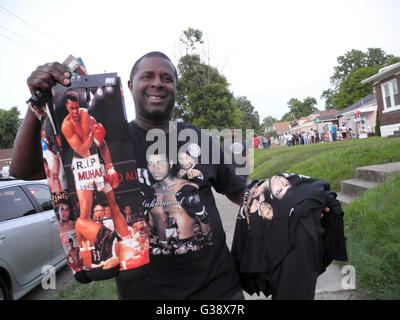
(41, 193)
(24, 232)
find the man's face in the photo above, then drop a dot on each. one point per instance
(98, 212)
(279, 186)
(158, 166)
(266, 210)
(153, 88)
(64, 212)
(73, 109)
(127, 210)
(185, 160)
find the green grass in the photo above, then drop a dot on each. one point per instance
(372, 228)
(96, 290)
(329, 161)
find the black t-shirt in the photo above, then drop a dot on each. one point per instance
(189, 258)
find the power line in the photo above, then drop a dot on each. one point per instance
(27, 40)
(21, 44)
(32, 26)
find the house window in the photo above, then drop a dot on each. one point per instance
(391, 96)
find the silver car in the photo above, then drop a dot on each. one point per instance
(29, 238)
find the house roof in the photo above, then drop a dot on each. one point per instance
(383, 73)
(5, 153)
(282, 126)
(324, 113)
(366, 101)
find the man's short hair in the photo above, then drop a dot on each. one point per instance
(150, 55)
(70, 95)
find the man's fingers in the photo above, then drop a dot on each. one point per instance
(46, 76)
(58, 72)
(327, 209)
(38, 84)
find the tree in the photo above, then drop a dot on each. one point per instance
(287, 117)
(218, 110)
(203, 97)
(303, 108)
(353, 67)
(194, 76)
(268, 121)
(9, 124)
(191, 39)
(250, 117)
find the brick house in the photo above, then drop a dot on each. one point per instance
(5, 157)
(386, 84)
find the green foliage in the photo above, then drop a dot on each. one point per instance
(203, 97)
(9, 124)
(268, 121)
(191, 38)
(303, 108)
(351, 90)
(250, 118)
(353, 67)
(217, 109)
(288, 117)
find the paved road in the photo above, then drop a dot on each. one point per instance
(329, 285)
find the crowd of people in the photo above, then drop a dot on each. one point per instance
(312, 136)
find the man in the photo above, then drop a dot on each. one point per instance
(73, 258)
(206, 274)
(98, 213)
(187, 165)
(334, 132)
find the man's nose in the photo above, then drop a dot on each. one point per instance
(156, 81)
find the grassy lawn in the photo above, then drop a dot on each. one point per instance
(96, 290)
(372, 222)
(372, 228)
(332, 162)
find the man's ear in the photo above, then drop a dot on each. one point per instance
(130, 85)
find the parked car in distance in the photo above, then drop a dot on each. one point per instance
(29, 238)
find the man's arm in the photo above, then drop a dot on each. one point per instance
(27, 161)
(27, 158)
(237, 197)
(80, 146)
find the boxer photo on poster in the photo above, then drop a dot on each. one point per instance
(95, 152)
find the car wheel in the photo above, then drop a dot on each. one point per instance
(3, 291)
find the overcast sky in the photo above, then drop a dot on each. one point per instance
(270, 51)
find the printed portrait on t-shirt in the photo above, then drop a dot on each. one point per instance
(175, 213)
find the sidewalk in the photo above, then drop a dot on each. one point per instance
(329, 284)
